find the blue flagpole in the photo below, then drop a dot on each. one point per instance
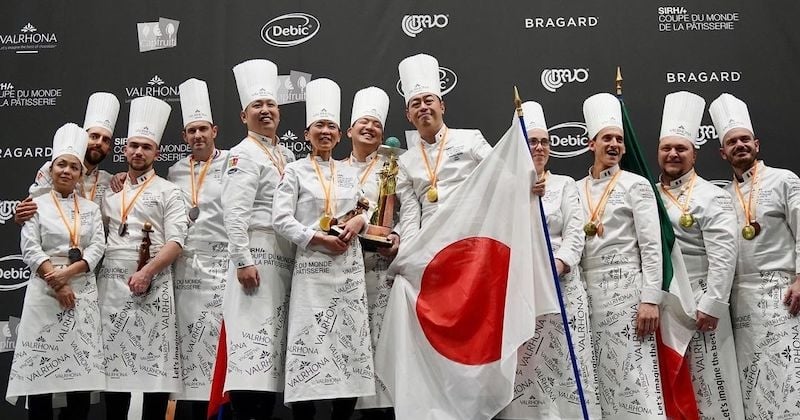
(553, 270)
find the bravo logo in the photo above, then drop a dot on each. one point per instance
(290, 29)
(414, 24)
(14, 274)
(568, 140)
(706, 133)
(447, 81)
(553, 79)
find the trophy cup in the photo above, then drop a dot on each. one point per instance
(382, 220)
(144, 247)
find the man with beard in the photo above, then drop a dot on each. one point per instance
(137, 305)
(201, 268)
(704, 222)
(101, 117)
(766, 290)
(622, 267)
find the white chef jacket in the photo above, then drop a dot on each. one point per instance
(464, 150)
(44, 183)
(209, 226)
(631, 200)
(561, 204)
(711, 238)
(777, 207)
(249, 184)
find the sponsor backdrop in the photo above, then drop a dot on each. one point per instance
(53, 55)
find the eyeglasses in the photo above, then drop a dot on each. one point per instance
(536, 142)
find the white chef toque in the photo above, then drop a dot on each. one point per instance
(419, 74)
(601, 111)
(148, 118)
(683, 113)
(323, 99)
(70, 139)
(256, 79)
(101, 111)
(195, 105)
(729, 112)
(370, 102)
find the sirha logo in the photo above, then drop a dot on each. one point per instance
(290, 29)
(155, 87)
(568, 140)
(29, 40)
(447, 82)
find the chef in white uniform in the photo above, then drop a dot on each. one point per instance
(138, 305)
(256, 300)
(545, 382)
(438, 158)
(330, 352)
(765, 298)
(704, 223)
(370, 107)
(200, 271)
(59, 346)
(101, 117)
(622, 267)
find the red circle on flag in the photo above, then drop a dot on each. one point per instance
(462, 299)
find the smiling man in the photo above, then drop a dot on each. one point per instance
(765, 299)
(704, 223)
(622, 266)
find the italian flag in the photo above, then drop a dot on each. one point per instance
(677, 323)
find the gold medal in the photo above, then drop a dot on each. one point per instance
(686, 220)
(325, 223)
(748, 232)
(590, 229)
(432, 194)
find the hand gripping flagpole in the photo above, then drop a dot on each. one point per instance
(573, 359)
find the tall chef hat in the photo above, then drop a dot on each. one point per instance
(323, 99)
(683, 112)
(601, 111)
(148, 118)
(256, 79)
(419, 74)
(533, 116)
(101, 111)
(370, 102)
(70, 139)
(728, 112)
(195, 105)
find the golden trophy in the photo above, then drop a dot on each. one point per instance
(382, 220)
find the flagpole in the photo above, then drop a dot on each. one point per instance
(573, 359)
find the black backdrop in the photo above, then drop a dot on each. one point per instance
(54, 54)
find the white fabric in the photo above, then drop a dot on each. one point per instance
(370, 102)
(195, 105)
(601, 111)
(256, 79)
(683, 113)
(101, 111)
(323, 101)
(249, 183)
(70, 139)
(44, 183)
(464, 150)
(631, 225)
(419, 74)
(59, 350)
(425, 383)
(729, 112)
(148, 118)
(533, 115)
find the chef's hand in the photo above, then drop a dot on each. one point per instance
(538, 188)
(706, 322)
(25, 210)
(118, 181)
(561, 268)
(66, 297)
(139, 282)
(390, 252)
(351, 228)
(333, 244)
(646, 319)
(248, 277)
(58, 278)
(792, 297)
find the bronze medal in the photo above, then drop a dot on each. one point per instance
(748, 232)
(325, 223)
(194, 213)
(757, 227)
(123, 229)
(74, 255)
(432, 195)
(590, 229)
(686, 220)
(600, 230)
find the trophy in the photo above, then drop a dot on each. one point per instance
(144, 247)
(380, 225)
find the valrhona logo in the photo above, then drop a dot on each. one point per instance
(18, 97)
(414, 24)
(29, 40)
(157, 35)
(568, 140)
(553, 79)
(447, 81)
(14, 273)
(290, 29)
(155, 87)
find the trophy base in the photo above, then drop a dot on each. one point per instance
(373, 242)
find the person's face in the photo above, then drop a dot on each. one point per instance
(739, 147)
(539, 143)
(200, 136)
(366, 131)
(676, 156)
(99, 145)
(262, 116)
(140, 153)
(66, 171)
(608, 146)
(425, 110)
(323, 135)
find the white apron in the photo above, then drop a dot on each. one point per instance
(627, 367)
(330, 349)
(57, 350)
(199, 289)
(378, 289)
(255, 324)
(139, 332)
(767, 345)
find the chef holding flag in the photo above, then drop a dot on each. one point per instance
(765, 299)
(329, 355)
(622, 265)
(704, 223)
(136, 296)
(201, 268)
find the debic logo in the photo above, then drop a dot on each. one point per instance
(568, 140)
(290, 29)
(14, 274)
